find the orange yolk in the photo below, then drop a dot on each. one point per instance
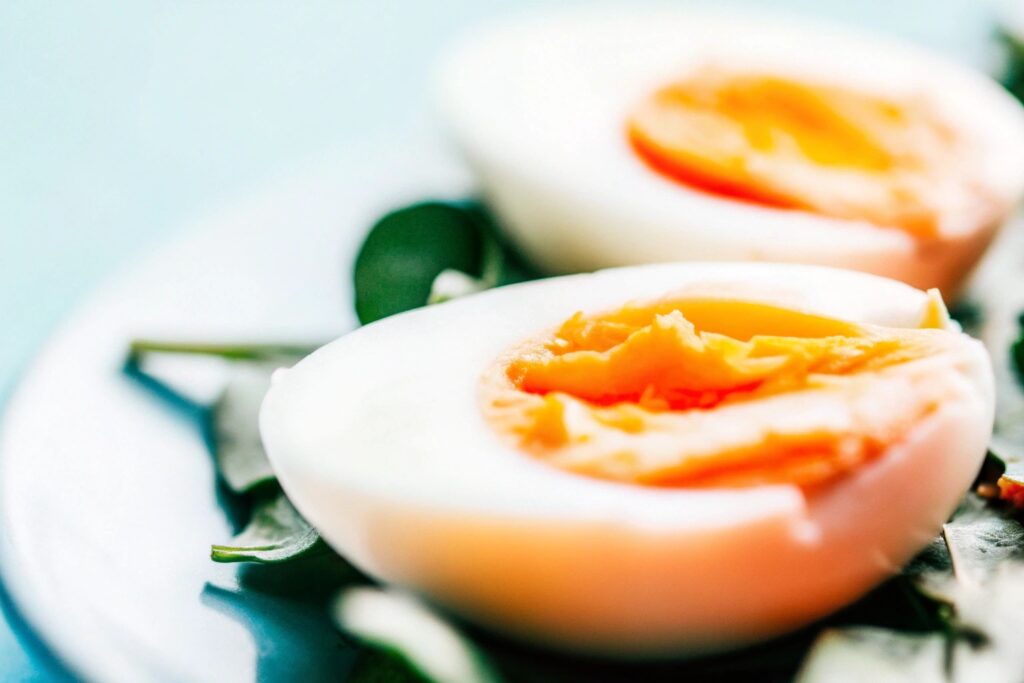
(792, 145)
(688, 393)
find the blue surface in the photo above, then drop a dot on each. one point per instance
(120, 121)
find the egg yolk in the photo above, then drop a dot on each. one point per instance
(793, 145)
(692, 393)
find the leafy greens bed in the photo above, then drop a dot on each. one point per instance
(953, 614)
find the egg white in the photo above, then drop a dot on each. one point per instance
(539, 105)
(379, 441)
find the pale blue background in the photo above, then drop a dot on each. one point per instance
(119, 121)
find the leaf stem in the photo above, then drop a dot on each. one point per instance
(251, 352)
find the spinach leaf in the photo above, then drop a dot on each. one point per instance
(974, 572)
(234, 428)
(980, 538)
(772, 662)
(232, 421)
(275, 533)
(431, 252)
(991, 616)
(376, 665)
(985, 591)
(403, 627)
(969, 313)
(1013, 76)
(862, 654)
(1017, 350)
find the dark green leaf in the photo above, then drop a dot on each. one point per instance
(399, 264)
(1017, 356)
(381, 666)
(408, 248)
(894, 604)
(986, 483)
(1013, 76)
(976, 540)
(391, 625)
(276, 533)
(934, 558)
(969, 313)
(403, 626)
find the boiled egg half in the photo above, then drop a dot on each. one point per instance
(606, 137)
(658, 460)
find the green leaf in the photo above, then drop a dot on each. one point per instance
(975, 574)
(276, 533)
(985, 591)
(407, 249)
(234, 428)
(233, 419)
(401, 625)
(1017, 350)
(992, 613)
(410, 255)
(981, 538)
(767, 662)
(892, 605)
(976, 541)
(870, 655)
(933, 559)
(969, 313)
(283, 354)
(381, 666)
(1013, 76)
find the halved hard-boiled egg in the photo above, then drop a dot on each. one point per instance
(665, 459)
(615, 137)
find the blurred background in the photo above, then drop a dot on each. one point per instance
(121, 122)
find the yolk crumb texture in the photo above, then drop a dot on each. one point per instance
(714, 393)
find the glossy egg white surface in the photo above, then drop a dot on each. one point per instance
(538, 107)
(379, 440)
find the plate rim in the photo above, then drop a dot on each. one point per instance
(68, 653)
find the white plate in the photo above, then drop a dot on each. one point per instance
(108, 497)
